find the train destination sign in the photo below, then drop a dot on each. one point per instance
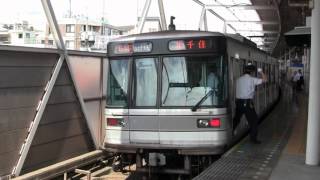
(137, 47)
(190, 44)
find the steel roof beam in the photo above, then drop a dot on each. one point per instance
(264, 37)
(243, 7)
(259, 31)
(256, 22)
(215, 14)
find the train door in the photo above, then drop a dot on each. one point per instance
(143, 116)
(266, 87)
(256, 96)
(237, 69)
(260, 92)
(269, 94)
(272, 74)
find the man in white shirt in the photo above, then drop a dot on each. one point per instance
(245, 90)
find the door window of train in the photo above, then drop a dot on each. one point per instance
(145, 82)
(186, 80)
(117, 85)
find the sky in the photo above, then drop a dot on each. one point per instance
(120, 12)
(117, 12)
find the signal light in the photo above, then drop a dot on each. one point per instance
(215, 122)
(112, 122)
(116, 122)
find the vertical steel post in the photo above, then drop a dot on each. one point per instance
(312, 151)
(162, 16)
(205, 20)
(224, 27)
(144, 15)
(202, 17)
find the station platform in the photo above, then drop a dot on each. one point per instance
(280, 156)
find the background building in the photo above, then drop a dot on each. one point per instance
(85, 34)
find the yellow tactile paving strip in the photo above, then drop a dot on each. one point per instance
(297, 140)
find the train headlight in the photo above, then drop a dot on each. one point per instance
(209, 123)
(203, 123)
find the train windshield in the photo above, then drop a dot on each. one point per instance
(183, 81)
(187, 80)
(118, 79)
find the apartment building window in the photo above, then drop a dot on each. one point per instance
(70, 28)
(50, 42)
(69, 44)
(20, 35)
(84, 28)
(95, 28)
(27, 35)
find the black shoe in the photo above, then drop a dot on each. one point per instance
(255, 141)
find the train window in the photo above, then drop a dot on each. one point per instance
(145, 82)
(186, 80)
(118, 82)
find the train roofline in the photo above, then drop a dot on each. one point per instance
(184, 34)
(166, 34)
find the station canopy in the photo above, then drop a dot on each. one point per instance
(258, 20)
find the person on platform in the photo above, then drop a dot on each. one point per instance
(245, 90)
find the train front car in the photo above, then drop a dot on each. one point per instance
(167, 94)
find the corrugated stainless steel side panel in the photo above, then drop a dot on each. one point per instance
(188, 112)
(145, 120)
(189, 123)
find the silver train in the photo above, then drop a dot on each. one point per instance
(162, 99)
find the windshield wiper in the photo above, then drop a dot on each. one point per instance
(195, 107)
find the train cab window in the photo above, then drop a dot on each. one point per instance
(145, 82)
(117, 87)
(187, 80)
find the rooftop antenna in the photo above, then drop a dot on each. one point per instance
(69, 8)
(172, 27)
